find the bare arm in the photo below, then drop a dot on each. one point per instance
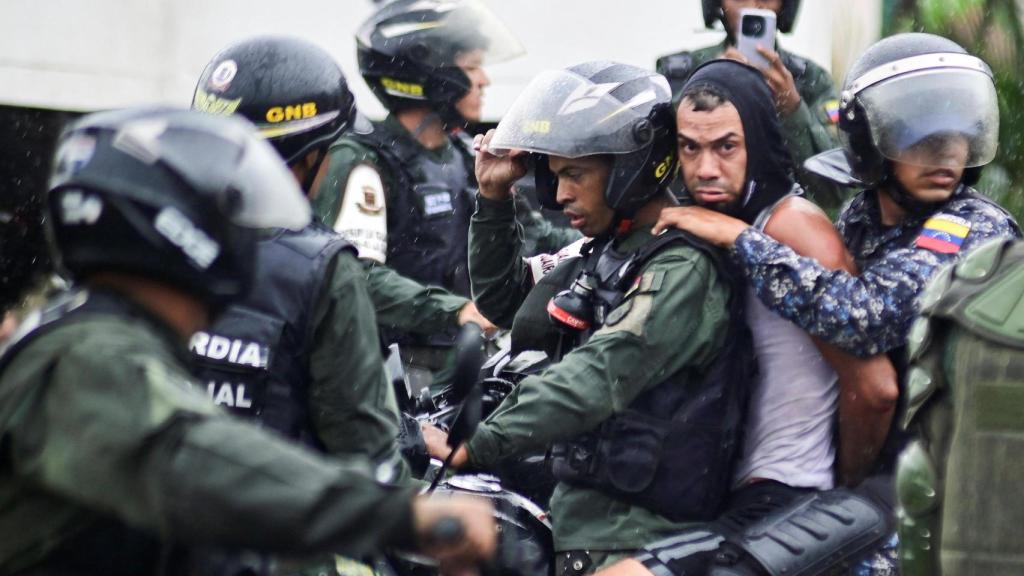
(867, 386)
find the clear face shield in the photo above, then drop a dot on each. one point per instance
(218, 154)
(563, 114)
(935, 117)
(448, 29)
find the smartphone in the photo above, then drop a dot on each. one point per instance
(757, 28)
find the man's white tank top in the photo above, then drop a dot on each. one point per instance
(790, 424)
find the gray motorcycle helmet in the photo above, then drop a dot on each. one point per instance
(172, 195)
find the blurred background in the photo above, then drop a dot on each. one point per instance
(59, 58)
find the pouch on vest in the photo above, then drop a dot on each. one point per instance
(674, 449)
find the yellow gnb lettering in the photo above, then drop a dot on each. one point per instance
(537, 126)
(399, 88)
(211, 104)
(662, 167)
(291, 112)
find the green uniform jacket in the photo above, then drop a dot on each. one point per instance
(99, 419)
(352, 405)
(674, 322)
(404, 306)
(810, 129)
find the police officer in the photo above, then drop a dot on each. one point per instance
(298, 96)
(805, 95)
(958, 483)
(301, 352)
(414, 170)
(633, 323)
(919, 119)
(113, 459)
(402, 191)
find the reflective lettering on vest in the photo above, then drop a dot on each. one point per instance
(228, 394)
(234, 351)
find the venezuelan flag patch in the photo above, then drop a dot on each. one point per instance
(832, 111)
(943, 233)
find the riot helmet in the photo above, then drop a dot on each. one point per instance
(170, 195)
(409, 52)
(292, 90)
(786, 17)
(596, 108)
(916, 99)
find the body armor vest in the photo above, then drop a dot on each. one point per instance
(429, 207)
(254, 360)
(958, 484)
(674, 448)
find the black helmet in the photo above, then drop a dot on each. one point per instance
(904, 99)
(170, 195)
(408, 51)
(787, 15)
(597, 108)
(292, 90)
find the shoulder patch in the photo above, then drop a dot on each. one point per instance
(943, 233)
(831, 108)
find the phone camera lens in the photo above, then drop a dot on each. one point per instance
(753, 26)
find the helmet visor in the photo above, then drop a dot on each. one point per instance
(231, 159)
(940, 118)
(440, 33)
(563, 114)
(270, 195)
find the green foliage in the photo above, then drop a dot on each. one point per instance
(991, 29)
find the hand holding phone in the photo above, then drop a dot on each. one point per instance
(756, 28)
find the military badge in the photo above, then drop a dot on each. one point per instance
(370, 204)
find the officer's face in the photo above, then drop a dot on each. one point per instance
(712, 154)
(931, 170)
(732, 9)
(471, 105)
(581, 185)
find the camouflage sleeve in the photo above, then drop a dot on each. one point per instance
(498, 275)
(404, 305)
(811, 129)
(121, 432)
(674, 317)
(351, 403)
(863, 315)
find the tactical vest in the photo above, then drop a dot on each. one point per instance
(429, 207)
(959, 482)
(673, 449)
(254, 359)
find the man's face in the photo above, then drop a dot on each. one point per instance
(712, 154)
(471, 105)
(581, 186)
(732, 10)
(931, 169)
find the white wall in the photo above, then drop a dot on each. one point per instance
(96, 54)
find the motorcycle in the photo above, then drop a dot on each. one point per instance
(524, 543)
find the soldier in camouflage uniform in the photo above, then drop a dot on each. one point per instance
(920, 119)
(958, 482)
(112, 459)
(805, 94)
